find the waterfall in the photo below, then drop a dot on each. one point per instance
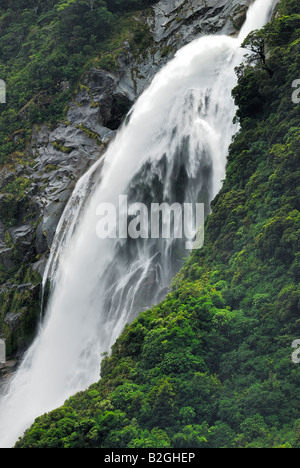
(172, 148)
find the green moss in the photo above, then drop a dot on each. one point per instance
(22, 302)
(18, 187)
(60, 147)
(51, 167)
(109, 62)
(90, 134)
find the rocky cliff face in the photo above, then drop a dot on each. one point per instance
(34, 190)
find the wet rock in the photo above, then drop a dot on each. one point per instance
(40, 266)
(12, 319)
(22, 234)
(194, 17)
(6, 176)
(6, 257)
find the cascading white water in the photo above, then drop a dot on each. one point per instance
(173, 148)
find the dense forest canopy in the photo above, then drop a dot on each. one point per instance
(211, 366)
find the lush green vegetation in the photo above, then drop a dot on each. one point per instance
(44, 43)
(211, 366)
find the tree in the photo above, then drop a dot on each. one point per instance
(256, 43)
(164, 406)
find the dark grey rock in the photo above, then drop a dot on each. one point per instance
(12, 319)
